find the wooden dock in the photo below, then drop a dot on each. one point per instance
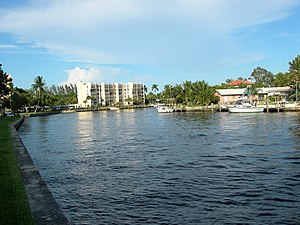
(217, 108)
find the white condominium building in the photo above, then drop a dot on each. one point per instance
(93, 94)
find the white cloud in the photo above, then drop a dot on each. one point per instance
(85, 75)
(93, 74)
(7, 46)
(168, 33)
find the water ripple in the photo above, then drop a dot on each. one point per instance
(140, 167)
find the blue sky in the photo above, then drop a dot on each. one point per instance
(149, 41)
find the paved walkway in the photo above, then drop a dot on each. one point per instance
(44, 208)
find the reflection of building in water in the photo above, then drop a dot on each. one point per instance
(91, 94)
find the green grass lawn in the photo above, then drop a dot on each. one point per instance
(14, 207)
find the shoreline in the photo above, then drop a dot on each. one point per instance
(221, 109)
(44, 208)
(214, 108)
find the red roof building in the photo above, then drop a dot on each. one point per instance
(239, 82)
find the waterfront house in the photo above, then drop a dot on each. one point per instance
(227, 96)
(237, 83)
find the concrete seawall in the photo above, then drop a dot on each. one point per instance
(45, 210)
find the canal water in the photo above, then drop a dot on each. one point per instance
(142, 167)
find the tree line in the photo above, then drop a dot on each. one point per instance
(39, 95)
(201, 93)
(187, 93)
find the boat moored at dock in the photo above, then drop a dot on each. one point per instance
(164, 109)
(114, 108)
(244, 105)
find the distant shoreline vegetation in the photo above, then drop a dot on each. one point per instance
(188, 93)
(201, 93)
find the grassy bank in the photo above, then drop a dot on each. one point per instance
(14, 207)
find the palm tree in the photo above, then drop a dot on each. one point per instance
(200, 91)
(38, 86)
(188, 90)
(85, 101)
(168, 93)
(101, 101)
(295, 68)
(203, 93)
(154, 87)
(295, 72)
(145, 89)
(129, 100)
(91, 99)
(178, 94)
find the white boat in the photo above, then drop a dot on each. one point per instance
(114, 108)
(244, 106)
(245, 109)
(164, 109)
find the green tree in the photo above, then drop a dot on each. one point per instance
(295, 67)
(202, 93)
(150, 98)
(178, 94)
(283, 79)
(60, 95)
(38, 87)
(168, 93)
(228, 80)
(19, 99)
(101, 101)
(187, 91)
(85, 101)
(129, 101)
(294, 70)
(263, 76)
(154, 88)
(92, 99)
(5, 88)
(252, 90)
(137, 101)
